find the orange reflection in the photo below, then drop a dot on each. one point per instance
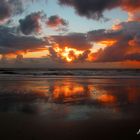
(102, 95)
(69, 92)
(107, 98)
(132, 95)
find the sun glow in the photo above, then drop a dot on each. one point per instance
(106, 43)
(67, 53)
(37, 54)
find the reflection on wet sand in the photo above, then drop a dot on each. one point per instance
(107, 98)
(69, 91)
(42, 108)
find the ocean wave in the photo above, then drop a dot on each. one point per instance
(63, 72)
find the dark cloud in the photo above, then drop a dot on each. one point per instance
(127, 42)
(134, 56)
(55, 21)
(12, 43)
(91, 8)
(10, 8)
(31, 23)
(54, 56)
(124, 29)
(94, 8)
(19, 58)
(5, 10)
(74, 40)
(112, 53)
(84, 56)
(102, 34)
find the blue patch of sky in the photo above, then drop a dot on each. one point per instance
(76, 22)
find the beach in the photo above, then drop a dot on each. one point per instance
(34, 105)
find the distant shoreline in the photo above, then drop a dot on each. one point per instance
(43, 68)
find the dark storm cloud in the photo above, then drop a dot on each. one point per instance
(112, 53)
(102, 34)
(74, 40)
(55, 21)
(54, 56)
(94, 8)
(124, 31)
(4, 10)
(31, 23)
(91, 8)
(84, 56)
(12, 43)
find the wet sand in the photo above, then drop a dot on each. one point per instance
(69, 108)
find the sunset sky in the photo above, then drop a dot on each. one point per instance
(88, 33)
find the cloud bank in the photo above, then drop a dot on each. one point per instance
(122, 41)
(13, 43)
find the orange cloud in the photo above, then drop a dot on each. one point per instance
(105, 43)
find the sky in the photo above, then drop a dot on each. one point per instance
(70, 33)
